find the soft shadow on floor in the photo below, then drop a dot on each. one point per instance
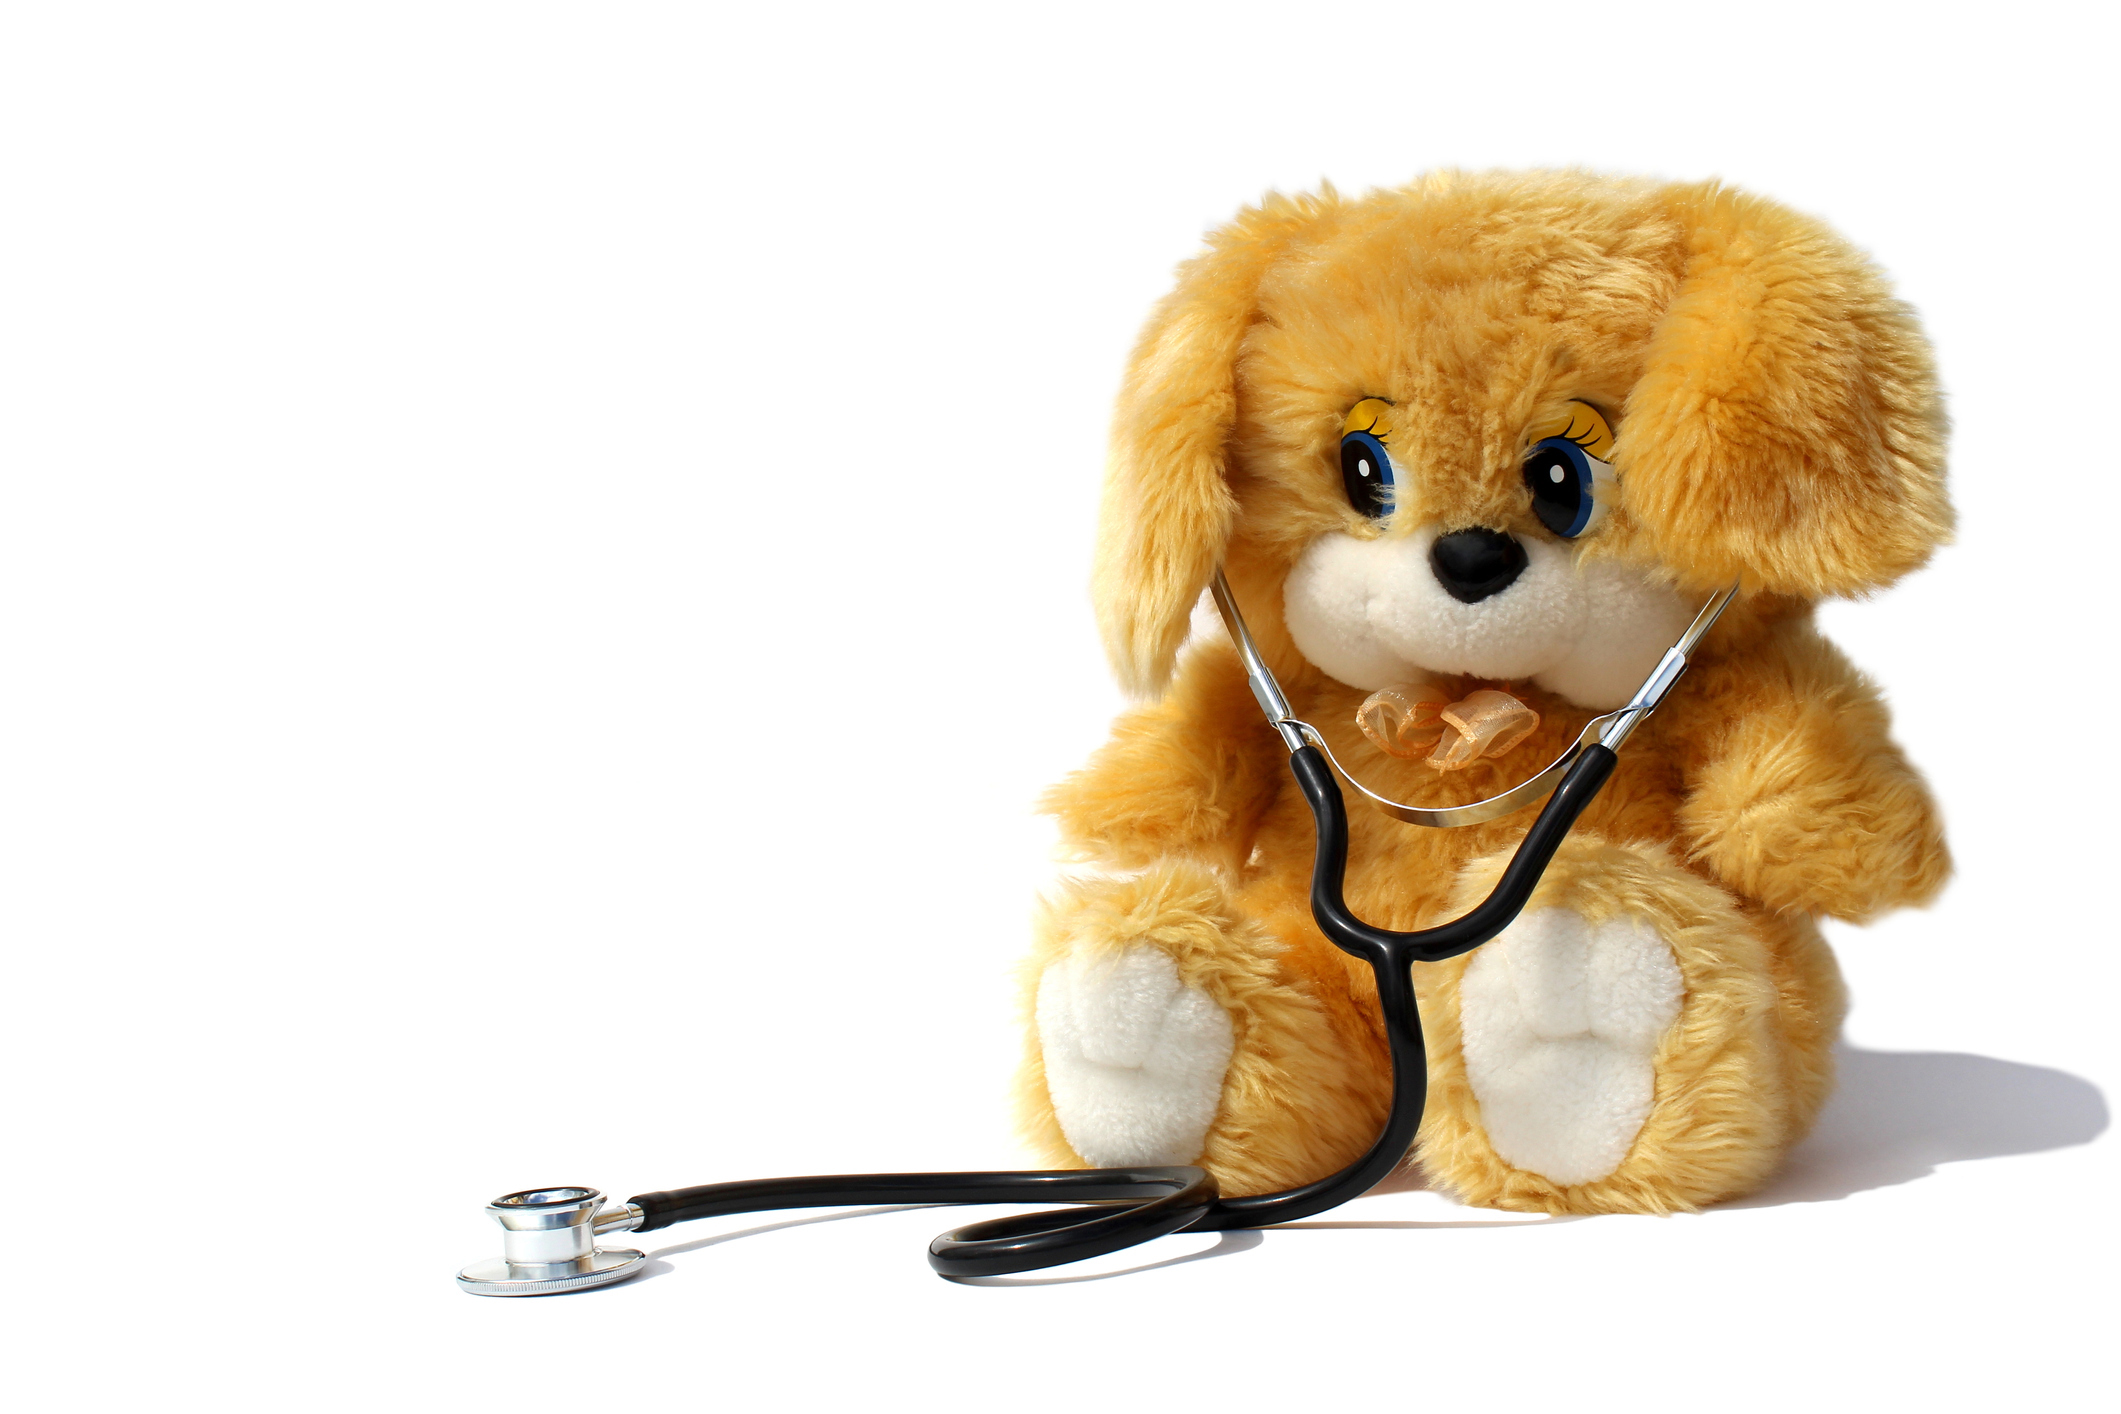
(1895, 1116)
(1242, 1240)
(1525, 1220)
(1230, 1243)
(655, 1266)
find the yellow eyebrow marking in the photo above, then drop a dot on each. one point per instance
(1577, 422)
(1371, 415)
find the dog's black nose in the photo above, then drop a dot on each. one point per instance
(1472, 564)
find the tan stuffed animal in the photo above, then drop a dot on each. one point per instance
(1494, 434)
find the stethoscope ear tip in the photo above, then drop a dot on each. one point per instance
(548, 1243)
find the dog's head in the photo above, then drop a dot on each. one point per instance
(1515, 427)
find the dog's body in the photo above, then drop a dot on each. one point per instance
(1654, 1031)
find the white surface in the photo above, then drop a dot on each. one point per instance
(541, 572)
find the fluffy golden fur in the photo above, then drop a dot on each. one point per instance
(1777, 419)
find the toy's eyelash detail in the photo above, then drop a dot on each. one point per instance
(1377, 420)
(1586, 439)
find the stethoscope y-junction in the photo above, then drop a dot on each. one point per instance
(549, 1234)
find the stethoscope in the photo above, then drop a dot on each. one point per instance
(548, 1235)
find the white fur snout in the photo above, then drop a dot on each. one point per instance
(1373, 614)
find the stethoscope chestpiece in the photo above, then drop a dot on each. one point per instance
(548, 1244)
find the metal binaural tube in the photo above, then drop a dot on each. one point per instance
(1609, 731)
(1266, 688)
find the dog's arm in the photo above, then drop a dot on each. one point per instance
(1796, 794)
(1189, 775)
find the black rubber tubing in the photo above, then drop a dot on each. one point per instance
(1128, 1206)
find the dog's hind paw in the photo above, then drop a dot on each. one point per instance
(1562, 1021)
(1134, 1058)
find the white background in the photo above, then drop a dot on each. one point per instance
(541, 573)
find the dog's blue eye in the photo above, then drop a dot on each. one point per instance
(1366, 471)
(1569, 486)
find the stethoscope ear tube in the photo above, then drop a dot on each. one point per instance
(1587, 774)
(1030, 1242)
(1156, 1201)
(1390, 956)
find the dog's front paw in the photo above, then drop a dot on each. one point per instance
(1134, 1057)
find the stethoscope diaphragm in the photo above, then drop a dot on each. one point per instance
(548, 1244)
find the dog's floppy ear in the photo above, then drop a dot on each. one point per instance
(1168, 511)
(1787, 426)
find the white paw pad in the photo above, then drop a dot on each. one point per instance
(1561, 1021)
(1134, 1058)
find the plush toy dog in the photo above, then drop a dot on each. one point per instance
(1505, 435)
